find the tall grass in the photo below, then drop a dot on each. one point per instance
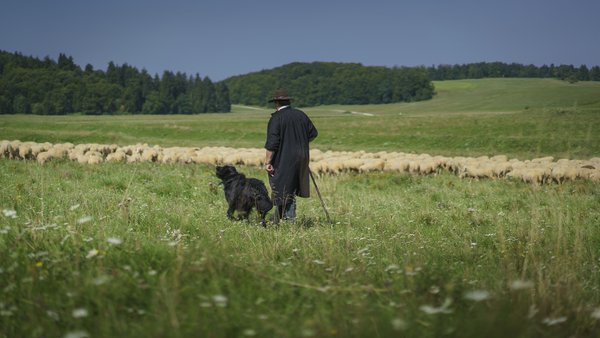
(145, 250)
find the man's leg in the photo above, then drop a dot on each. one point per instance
(289, 213)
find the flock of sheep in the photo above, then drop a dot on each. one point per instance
(536, 171)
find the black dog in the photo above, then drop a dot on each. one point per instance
(242, 194)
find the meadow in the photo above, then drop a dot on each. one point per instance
(145, 250)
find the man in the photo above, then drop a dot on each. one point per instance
(288, 133)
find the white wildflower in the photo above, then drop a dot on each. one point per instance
(220, 300)
(431, 310)
(533, 310)
(92, 253)
(77, 334)
(306, 332)
(434, 289)
(114, 241)
(249, 332)
(101, 280)
(9, 213)
(399, 324)
(596, 313)
(84, 220)
(53, 315)
(521, 284)
(152, 273)
(477, 295)
(554, 321)
(392, 267)
(80, 313)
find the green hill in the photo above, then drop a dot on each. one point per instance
(494, 95)
(524, 118)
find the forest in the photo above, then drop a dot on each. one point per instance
(320, 83)
(515, 70)
(30, 85)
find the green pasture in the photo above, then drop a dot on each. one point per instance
(145, 250)
(522, 118)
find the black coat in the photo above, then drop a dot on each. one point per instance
(288, 134)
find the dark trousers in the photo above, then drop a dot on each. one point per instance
(285, 211)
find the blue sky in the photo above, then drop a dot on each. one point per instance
(221, 38)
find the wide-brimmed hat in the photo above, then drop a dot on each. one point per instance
(280, 95)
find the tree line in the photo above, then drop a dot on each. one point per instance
(321, 83)
(498, 69)
(29, 85)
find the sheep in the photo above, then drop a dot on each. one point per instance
(43, 157)
(117, 156)
(428, 167)
(561, 173)
(398, 164)
(5, 149)
(374, 164)
(94, 158)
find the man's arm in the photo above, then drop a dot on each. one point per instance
(268, 165)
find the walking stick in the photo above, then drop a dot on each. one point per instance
(319, 194)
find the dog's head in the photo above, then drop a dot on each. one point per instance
(226, 172)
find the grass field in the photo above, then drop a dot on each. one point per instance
(522, 118)
(145, 250)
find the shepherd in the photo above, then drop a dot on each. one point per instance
(287, 155)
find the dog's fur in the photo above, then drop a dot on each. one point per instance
(242, 194)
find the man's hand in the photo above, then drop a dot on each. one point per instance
(269, 168)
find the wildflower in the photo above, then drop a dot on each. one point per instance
(9, 213)
(77, 334)
(554, 321)
(39, 264)
(220, 300)
(80, 313)
(84, 220)
(477, 295)
(306, 332)
(92, 253)
(533, 310)
(101, 280)
(521, 284)
(249, 332)
(399, 324)
(431, 310)
(392, 267)
(114, 241)
(152, 273)
(434, 289)
(53, 315)
(596, 313)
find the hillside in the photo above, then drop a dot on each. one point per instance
(467, 117)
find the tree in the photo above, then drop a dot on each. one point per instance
(595, 73)
(223, 104)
